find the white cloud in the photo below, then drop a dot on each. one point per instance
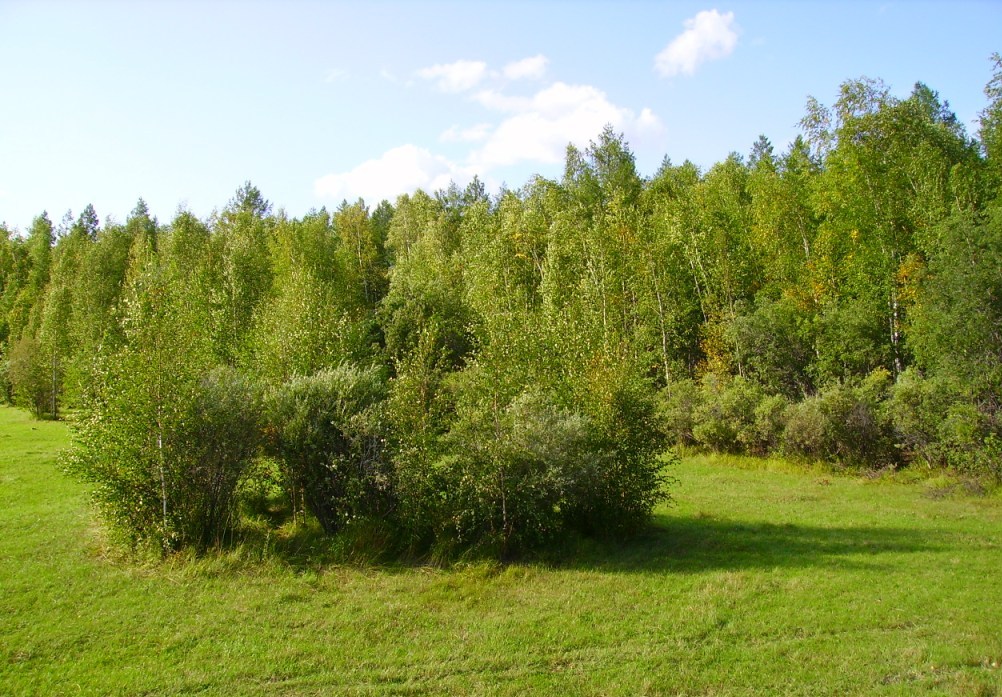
(495, 101)
(455, 77)
(400, 170)
(455, 134)
(528, 68)
(649, 121)
(543, 125)
(532, 128)
(708, 36)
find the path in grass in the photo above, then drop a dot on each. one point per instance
(756, 582)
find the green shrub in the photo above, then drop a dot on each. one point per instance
(988, 458)
(850, 342)
(262, 489)
(937, 422)
(504, 470)
(846, 423)
(218, 441)
(728, 414)
(511, 476)
(31, 378)
(917, 407)
(6, 386)
(632, 471)
(776, 341)
(677, 407)
(860, 428)
(769, 422)
(166, 457)
(804, 433)
(327, 431)
(419, 411)
(970, 440)
(725, 420)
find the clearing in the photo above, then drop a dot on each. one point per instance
(763, 578)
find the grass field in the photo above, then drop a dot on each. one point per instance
(761, 579)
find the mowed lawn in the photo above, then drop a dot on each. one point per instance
(760, 579)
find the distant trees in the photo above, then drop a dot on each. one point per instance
(499, 373)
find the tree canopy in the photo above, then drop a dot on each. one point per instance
(497, 372)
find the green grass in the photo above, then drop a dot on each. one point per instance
(762, 579)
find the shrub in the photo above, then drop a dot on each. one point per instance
(218, 441)
(936, 422)
(970, 440)
(859, 429)
(989, 456)
(725, 420)
(805, 429)
(850, 342)
(166, 457)
(326, 430)
(509, 469)
(262, 489)
(512, 476)
(677, 407)
(769, 421)
(776, 340)
(31, 378)
(6, 387)
(419, 411)
(631, 475)
(917, 407)
(846, 423)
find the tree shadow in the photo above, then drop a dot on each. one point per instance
(670, 544)
(302, 545)
(695, 544)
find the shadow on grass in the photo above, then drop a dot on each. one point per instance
(672, 544)
(701, 543)
(303, 546)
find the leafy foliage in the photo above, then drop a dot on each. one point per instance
(327, 433)
(32, 378)
(457, 371)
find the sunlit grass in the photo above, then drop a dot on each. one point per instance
(763, 578)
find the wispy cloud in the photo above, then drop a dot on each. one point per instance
(708, 36)
(455, 134)
(532, 68)
(455, 77)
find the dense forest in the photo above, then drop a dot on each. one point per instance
(464, 370)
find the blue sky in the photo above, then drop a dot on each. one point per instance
(181, 102)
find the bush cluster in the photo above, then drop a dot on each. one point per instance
(843, 422)
(167, 466)
(500, 479)
(874, 422)
(937, 421)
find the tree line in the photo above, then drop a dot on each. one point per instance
(461, 370)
